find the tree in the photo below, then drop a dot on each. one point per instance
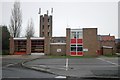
(30, 29)
(5, 40)
(15, 20)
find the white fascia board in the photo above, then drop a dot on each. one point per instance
(34, 38)
(20, 38)
(58, 43)
(76, 30)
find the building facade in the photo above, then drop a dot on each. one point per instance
(77, 42)
(107, 44)
(82, 42)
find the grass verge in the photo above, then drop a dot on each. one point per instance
(71, 56)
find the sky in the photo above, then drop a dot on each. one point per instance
(101, 14)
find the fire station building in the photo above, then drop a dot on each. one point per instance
(77, 42)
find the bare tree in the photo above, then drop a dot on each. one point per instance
(30, 29)
(15, 20)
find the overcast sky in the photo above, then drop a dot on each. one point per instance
(76, 14)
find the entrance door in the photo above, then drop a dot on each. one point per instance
(37, 46)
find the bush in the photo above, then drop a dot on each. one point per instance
(5, 52)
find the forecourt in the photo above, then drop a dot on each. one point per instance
(79, 67)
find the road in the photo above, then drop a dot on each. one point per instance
(80, 67)
(11, 68)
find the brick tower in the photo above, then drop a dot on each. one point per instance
(46, 31)
(46, 25)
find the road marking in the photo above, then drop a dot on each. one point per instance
(10, 64)
(66, 65)
(108, 61)
(60, 77)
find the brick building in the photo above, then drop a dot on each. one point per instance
(117, 43)
(78, 42)
(107, 44)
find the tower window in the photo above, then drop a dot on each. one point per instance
(48, 33)
(48, 27)
(43, 27)
(43, 19)
(48, 19)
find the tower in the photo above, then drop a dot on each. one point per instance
(46, 30)
(46, 25)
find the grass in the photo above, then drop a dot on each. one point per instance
(86, 56)
(110, 55)
(71, 56)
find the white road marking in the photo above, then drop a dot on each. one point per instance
(108, 61)
(60, 77)
(66, 65)
(10, 65)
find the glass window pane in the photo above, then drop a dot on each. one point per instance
(73, 48)
(79, 45)
(73, 45)
(73, 35)
(79, 34)
(79, 48)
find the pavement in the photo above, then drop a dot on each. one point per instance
(102, 67)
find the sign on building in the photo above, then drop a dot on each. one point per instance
(58, 50)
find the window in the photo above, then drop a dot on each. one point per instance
(43, 19)
(76, 48)
(43, 27)
(48, 19)
(73, 35)
(79, 45)
(58, 40)
(48, 27)
(48, 34)
(79, 35)
(73, 47)
(79, 48)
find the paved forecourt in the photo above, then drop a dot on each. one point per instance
(78, 67)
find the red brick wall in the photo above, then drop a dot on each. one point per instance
(90, 41)
(68, 41)
(55, 47)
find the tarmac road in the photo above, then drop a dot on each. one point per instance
(11, 68)
(78, 67)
